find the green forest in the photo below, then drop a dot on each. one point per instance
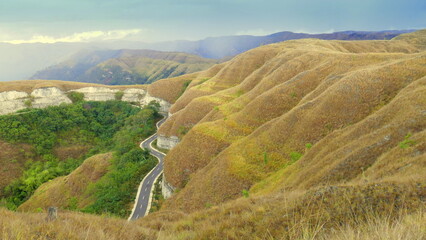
(104, 126)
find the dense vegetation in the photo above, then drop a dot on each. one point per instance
(116, 189)
(104, 126)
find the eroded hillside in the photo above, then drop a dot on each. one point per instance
(298, 115)
(297, 140)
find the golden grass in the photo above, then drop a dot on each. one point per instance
(300, 96)
(322, 213)
(360, 105)
(68, 226)
(324, 93)
(372, 211)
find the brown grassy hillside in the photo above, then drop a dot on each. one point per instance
(12, 161)
(70, 191)
(306, 139)
(254, 121)
(344, 212)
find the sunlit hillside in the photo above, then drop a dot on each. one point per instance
(305, 139)
(296, 116)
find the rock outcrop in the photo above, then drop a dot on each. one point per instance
(167, 142)
(166, 189)
(45, 97)
(13, 101)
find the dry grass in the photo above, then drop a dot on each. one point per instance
(12, 162)
(75, 151)
(29, 86)
(69, 225)
(376, 211)
(323, 213)
(360, 106)
(342, 97)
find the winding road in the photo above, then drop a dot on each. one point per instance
(144, 196)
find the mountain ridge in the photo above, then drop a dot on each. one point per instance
(124, 66)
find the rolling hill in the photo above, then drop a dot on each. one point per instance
(304, 139)
(21, 61)
(124, 67)
(228, 46)
(298, 115)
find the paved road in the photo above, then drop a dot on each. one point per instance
(143, 199)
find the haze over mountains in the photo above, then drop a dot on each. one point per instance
(22, 61)
(292, 140)
(124, 67)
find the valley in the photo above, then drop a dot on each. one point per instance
(302, 139)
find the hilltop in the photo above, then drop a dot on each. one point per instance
(124, 67)
(295, 116)
(21, 61)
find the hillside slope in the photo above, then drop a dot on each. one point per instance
(121, 67)
(299, 115)
(71, 191)
(306, 139)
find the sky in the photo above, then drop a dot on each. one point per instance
(49, 21)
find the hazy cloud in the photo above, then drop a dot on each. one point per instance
(80, 37)
(257, 32)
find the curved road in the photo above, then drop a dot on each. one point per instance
(143, 198)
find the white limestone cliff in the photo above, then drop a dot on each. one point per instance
(45, 97)
(167, 142)
(13, 101)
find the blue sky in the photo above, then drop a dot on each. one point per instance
(162, 20)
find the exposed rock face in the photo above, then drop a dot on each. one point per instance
(167, 142)
(133, 95)
(97, 93)
(165, 106)
(166, 189)
(45, 97)
(12, 101)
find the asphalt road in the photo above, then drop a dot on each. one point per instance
(143, 199)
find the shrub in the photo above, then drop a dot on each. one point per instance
(294, 156)
(119, 95)
(182, 130)
(407, 142)
(76, 97)
(265, 158)
(245, 193)
(28, 103)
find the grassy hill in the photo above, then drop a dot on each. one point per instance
(299, 115)
(306, 139)
(71, 191)
(121, 67)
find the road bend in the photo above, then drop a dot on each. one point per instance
(146, 187)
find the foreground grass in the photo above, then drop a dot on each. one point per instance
(71, 225)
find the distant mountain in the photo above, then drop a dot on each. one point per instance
(221, 47)
(124, 67)
(21, 61)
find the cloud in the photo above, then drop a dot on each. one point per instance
(80, 37)
(256, 32)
